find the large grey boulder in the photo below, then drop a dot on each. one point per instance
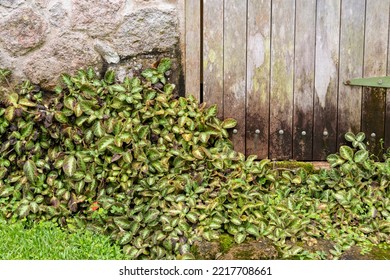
(147, 30)
(67, 54)
(96, 18)
(22, 31)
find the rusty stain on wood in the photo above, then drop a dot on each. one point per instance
(304, 79)
(281, 96)
(235, 68)
(375, 64)
(326, 78)
(258, 67)
(351, 61)
(213, 54)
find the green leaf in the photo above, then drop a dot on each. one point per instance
(253, 230)
(30, 170)
(349, 136)
(346, 153)
(164, 65)
(104, 142)
(361, 156)
(211, 111)
(151, 215)
(34, 207)
(229, 123)
(109, 77)
(60, 117)
(98, 129)
(239, 237)
(69, 165)
(360, 137)
(126, 238)
(23, 210)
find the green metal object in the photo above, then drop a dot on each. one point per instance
(382, 82)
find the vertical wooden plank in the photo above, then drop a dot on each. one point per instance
(375, 64)
(326, 78)
(192, 53)
(213, 54)
(304, 79)
(258, 67)
(351, 61)
(387, 120)
(235, 68)
(282, 67)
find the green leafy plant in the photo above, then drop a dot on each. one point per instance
(157, 172)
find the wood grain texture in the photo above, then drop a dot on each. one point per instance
(351, 61)
(192, 50)
(375, 64)
(281, 95)
(326, 78)
(213, 54)
(258, 67)
(304, 79)
(387, 121)
(235, 68)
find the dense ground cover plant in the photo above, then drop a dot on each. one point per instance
(158, 172)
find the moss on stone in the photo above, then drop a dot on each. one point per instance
(309, 167)
(226, 241)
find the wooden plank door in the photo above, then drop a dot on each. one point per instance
(304, 79)
(234, 62)
(281, 95)
(375, 64)
(258, 67)
(351, 61)
(213, 54)
(326, 78)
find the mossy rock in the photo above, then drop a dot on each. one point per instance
(254, 250)
(293, 165)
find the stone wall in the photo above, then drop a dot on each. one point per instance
(40, 39)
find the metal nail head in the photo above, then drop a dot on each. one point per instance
(373, 135)
(380, 81)
(235, 131)
(257, 131)
(281, 132)
(325, 133)
(303, 133)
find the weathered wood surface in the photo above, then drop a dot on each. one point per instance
(258, 78)
(326, 78)
(192, 55)
(213, 54)
(387, 121)
(235, 68)
(282, 75)
(375, 64)
(304, 79)
(280, 66)
(351, 61)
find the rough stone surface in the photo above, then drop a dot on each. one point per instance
(206, 250)
(147, 30)
(97, 18)
(22, 31)
(255, 250)
(58, 15)
(11, 3)
(107, 52)
(67, 54)
(40, 39)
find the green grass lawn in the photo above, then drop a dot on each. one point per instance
(46, 241)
